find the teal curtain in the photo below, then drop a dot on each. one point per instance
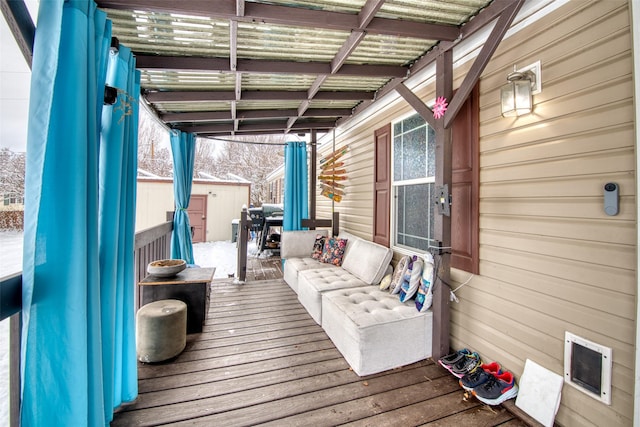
(183, 148)
(118, 166)
(68, 375)
(296, 189)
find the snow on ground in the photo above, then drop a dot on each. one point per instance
(11, 257)
(221, 255)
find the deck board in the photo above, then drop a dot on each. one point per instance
(262, 360)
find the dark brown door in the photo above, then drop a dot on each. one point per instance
(198, 217)
(382, 186)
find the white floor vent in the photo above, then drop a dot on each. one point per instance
(587, 367)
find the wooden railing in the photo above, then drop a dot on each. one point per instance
(150, 244)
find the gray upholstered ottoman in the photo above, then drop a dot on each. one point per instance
(161, 331)
(374, 331)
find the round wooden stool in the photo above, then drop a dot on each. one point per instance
(161, 330)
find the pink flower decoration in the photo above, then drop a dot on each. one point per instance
(440, 107)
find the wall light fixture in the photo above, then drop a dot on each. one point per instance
(516, 97)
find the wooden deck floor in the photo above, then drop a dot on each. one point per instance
(262, 360)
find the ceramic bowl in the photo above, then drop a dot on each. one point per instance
(166, 267)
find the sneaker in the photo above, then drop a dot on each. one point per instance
(468, 364)
(497, 389)
(451, 359)
(480, 376)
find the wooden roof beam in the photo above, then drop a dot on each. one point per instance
(21, 25)
(365, 16)
(286, 15)
(487, 15)
(266, 127)
(256, 95)
(493, 41)
(261, 66)
(211, 116)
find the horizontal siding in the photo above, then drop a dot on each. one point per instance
(356, 207)
(550, 259)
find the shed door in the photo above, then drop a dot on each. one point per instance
(198, 217)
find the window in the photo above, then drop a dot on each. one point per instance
(414, 160)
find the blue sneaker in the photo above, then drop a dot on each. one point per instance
(497, 389)
(480, 376)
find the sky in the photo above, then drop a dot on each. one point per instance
(14, 89)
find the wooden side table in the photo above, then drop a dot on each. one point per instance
(191, 285)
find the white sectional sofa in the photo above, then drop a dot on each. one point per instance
(372, 329)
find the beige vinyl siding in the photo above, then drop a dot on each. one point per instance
(550, 259)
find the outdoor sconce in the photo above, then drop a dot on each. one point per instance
(516, 97)
(115, 45)
(110, 95)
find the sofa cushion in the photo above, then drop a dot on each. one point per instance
(312, 283)
(293, 266)
(298, 243)
(333, 251)
(367, 261)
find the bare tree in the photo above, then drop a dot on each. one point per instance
(252, 158)
(12, 173)
(154, 154)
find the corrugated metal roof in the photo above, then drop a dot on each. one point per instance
(277, 57)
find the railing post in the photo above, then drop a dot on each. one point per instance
(14, 369)
(241, 270)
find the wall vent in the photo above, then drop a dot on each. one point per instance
(587, 367)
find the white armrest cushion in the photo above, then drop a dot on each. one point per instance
(367, 261)
(298, 243)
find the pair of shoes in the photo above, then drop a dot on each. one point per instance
(480, 376)
(497, 389)
(469, 363)
(449, 360)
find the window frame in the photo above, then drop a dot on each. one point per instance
(400, 248)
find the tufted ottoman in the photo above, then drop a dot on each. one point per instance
(313, 283)
(294, 266)
(161, 331)
(374, 331)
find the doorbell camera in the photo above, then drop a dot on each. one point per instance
(611, 198)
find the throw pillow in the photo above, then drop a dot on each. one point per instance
(333, 251)
(386, 281)
(318, 245)
(424, 296)
(398, 274)
(411, 283)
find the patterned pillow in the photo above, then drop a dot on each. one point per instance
(412, 279)
(318, 245)
(398, 274)
(424, 296)
(333, 251)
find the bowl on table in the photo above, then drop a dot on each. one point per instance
(166, 267)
